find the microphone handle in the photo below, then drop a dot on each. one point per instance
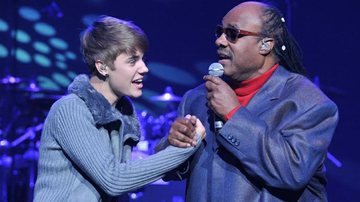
(216, 69)
(218, 123)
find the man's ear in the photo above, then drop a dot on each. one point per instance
(102, 68)
(266, 45)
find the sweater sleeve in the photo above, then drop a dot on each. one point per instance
(183, 170)
(84, 145)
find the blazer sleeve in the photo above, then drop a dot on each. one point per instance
(286, 155)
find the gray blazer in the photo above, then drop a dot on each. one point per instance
(271, 150)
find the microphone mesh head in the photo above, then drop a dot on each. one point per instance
(216, 69)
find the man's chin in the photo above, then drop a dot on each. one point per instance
(136, 94)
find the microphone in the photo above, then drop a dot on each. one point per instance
(216, 69)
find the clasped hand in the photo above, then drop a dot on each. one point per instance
(183, 131)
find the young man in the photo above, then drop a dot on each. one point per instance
(277, 124)
(88, 135)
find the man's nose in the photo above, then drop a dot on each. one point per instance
(221, 41)
(144, 68)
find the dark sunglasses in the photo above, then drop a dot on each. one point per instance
(232, 34)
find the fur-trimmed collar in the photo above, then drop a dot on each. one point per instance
(101, 109)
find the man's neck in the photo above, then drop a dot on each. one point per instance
(103, 88)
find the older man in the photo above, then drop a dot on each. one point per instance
(277, 124)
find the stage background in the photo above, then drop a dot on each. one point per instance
(39, 57)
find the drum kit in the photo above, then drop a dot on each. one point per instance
(21, 121)
(154, 128)
(24, 107)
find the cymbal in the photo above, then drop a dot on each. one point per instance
(10, 80)
(168, 96)
(32, 88)
(20, 84)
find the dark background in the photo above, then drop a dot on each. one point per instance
(181, 35)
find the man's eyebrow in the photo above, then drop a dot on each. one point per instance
(134, 57)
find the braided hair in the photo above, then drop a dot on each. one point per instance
(286, 48)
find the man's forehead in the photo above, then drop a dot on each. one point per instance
(239, 17)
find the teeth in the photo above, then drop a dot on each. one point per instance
(138, 81)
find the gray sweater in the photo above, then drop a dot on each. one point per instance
(85, 150)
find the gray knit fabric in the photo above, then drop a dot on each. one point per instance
(85, 149)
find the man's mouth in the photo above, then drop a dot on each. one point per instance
(223, 56)
(137, 81)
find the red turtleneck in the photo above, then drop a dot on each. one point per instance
(249, 88)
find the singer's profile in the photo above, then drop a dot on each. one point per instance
(277, 125)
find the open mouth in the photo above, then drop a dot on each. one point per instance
(223, 56)
(137, 81)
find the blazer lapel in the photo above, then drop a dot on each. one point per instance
(270, 92)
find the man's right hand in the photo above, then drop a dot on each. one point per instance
(183, 130)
